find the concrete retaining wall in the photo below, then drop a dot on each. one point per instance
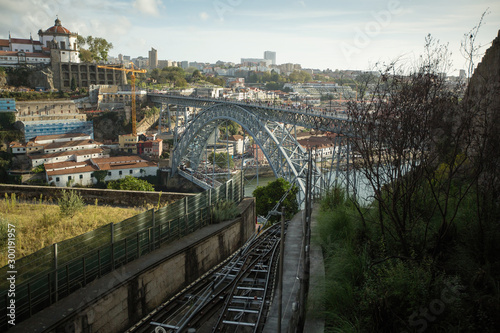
(104, 196)
(120, 299)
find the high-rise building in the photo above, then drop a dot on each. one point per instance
(270, 55)
(153, 58)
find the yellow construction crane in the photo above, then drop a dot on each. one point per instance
(129, 70)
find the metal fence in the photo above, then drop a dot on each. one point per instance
(56, 271)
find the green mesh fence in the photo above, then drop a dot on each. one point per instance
(82, 259)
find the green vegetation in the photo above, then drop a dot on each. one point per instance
(267, 197)
(130, 183)
(423, 255)
(70, 203)
(93, 49)
(221, 160)
(224, 211)
(40, 224)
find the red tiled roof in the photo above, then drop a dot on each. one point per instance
(67, 144)
(58, 136)
(4, 42)
(28, 54)
(66, 153)
(57, 28)
(87, 168)
(24, 41)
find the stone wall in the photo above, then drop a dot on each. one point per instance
(120, 299)
(104, 196)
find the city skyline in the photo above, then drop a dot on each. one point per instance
(316, 33)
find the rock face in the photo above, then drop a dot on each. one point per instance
(483, 98)
(42, 78)
(3, 81)
(109, 125)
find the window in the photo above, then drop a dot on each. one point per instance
(109, 173)
(81, 176)
(120, 172)
(130, 171)
(69, 177)
(57, 179)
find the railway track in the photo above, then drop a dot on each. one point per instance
(233, 297)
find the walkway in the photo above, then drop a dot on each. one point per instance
(293, 273)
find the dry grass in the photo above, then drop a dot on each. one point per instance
(40, 224)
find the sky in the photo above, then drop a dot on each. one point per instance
(356, 34)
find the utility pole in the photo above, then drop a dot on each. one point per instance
(280, 280)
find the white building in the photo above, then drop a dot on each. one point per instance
(61, 39)
(71, 173)
(54, 41)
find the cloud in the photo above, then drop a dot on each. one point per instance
(148, 7)
(204, 16)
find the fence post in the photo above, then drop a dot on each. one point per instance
(232, 190)
(242, 184)
(112, 226)
(84, 271)
(185, 215)
(154, 231)
(55, 269)
(29, 298)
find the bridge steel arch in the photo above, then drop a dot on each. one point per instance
(286, 156)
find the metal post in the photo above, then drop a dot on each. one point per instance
(67, 279)
(99, 262)
(280, 281)
(84, 271)
(168, 117)
(29, 298)
(159, 119)
(55, 268)
(112, 226)
(154, 230)
(227, 151)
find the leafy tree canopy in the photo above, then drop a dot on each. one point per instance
(267, 196)
(221, 160)
(93, 49)
(130, 183)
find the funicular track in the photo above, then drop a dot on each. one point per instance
(233, 297)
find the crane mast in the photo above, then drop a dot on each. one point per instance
(128, 70)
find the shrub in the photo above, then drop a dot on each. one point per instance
(70, 203)
(224, 211)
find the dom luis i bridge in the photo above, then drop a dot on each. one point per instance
(273, 129)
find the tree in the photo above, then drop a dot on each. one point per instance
(130, 183)
(221, 160)
(97, 48)
(100, 175)
(73, 85)
(7, 120)
(266, 197)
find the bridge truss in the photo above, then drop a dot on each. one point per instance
(270, 127)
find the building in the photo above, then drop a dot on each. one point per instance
(32, 129)
(54, 42)
(128, 143)
(58, 148)
(153, 58)
(7, 105)
(270, 55)
(252, 62)
(321, 146)
(257, 153)
(58, 48)
(150, 147)
(81, 173)
(48, 110)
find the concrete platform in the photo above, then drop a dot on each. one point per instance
(293, 273)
